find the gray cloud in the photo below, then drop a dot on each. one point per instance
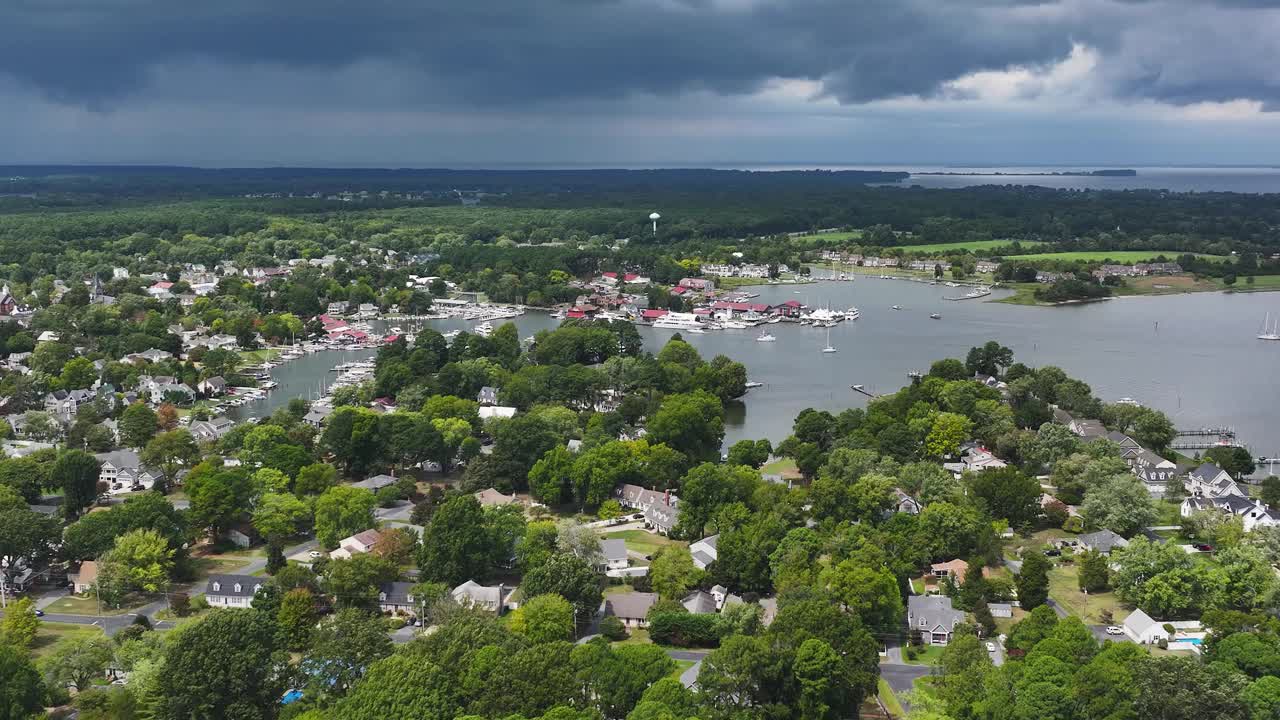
(499, 52)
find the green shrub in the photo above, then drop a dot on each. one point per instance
(613, 629)
(683, 629)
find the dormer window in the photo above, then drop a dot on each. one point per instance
(217, 587)
(237, 587)
(382, 596)
(410, 598)
(256, 588)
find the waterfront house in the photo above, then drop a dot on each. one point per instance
(1211, 481)
(1129, 447)
(122, 471)
(215, 386)
(316, 416)
(1154, 471)
(986, 266)
(631, 608)
(231, 591)
(1087, 428)
(933, 617)
(1251, 512)
(704, 551)
(698, 284)
(1103, 541)
(211, 430)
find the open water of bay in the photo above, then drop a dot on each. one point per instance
(1194, 356)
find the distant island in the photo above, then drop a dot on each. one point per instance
(1117, 172)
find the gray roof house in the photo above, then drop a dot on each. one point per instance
(211, 430)
(614, 552)
(934, 618)
(375, 483)
(488, 395)
(397, 598)
(659, 508)
(316, 416)
(1211, 481)
(1103, 541)
(704, 551)
(486, 597)
(122, 470)
(232, 591)
(631, 608)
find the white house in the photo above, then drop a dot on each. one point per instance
(704, 551)
(122, 471)
(493, 598)
(1250, 511)
(496, 411)
(631, 608)
(1211, 481)
(231, 591)
(614, 553)
(660, 509)
(83, 579)
(361, 542)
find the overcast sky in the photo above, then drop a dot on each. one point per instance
(648, 82)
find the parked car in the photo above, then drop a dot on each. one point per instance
(1115, 630)
(1203, 547)
(1052, 553)
(991, 647)
(315, 554)
(39, 613)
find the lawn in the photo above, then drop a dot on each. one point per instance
(1166, 285)
(1063, 588)
(889, 699)
(1004, 625)
(833, 237)
(77, 605)
(1038, 541)
(786, 467)
(1260, 283)
(928, 655)
(970, 246)
(681, 666)
(213, 565)
(255, 357)
(51, 632)
(646, 543)
(635, 636)
(1116, 256)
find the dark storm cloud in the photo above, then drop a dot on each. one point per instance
(522, 52)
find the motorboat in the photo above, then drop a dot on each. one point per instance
(484, 329)
(852, 314)
(896, 307)
(753, 384)
(766, 337)
(935, 316)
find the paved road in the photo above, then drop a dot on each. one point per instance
(902, 678)
(689, 677)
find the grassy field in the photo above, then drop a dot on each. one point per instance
(786, 467)
(1064, 589)
(50, 633)
(643, 542)
(1118, 256)
(889, 699)
(77, 605)
(206, 566)
(1036, 541)
(834, 237)
(929, 655)
(681, 666)
(1166, 285)
(970, 246)
(1004, 625)
(1261, 283)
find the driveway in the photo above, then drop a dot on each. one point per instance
(898, 674)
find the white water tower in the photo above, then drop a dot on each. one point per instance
(654, 217)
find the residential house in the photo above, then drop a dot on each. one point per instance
(933, 617)
(8, 304)
(487, 396)
(904, 503)
(490, 497)
(1251, 512)
(375, 483)
(397, 598)
(986, 266)
(1103, 541)
(496, 411)
(1142, 629)
(631, 608)
(83, 579)
(211, 430)
(1129, 447)
(232, 591)
(161, 290)
(660, 509)
(243, 535)
(704, 551)
(1154, 471)
(215, 386)
(1000, 610)
(493, 598)
(316, 416)
(63, 405)
(614, 552)
(1211, 481)
(1088, 429)
(361, 542)
(122, 471)
(954, 569)
(698, 284)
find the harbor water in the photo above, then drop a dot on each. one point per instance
(1194, 356)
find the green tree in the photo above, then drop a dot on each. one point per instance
(1120, 503)
(569, 577)
(1262, 696)
(690, 423)
(76, 472)
(297, 617)
(169, 452)
(1093, 572)
(342, 511)
(545, 618)
(19, 625)
(672, 572)
(343, 648)
(314, 479)
(354, 582)
(142, 559)
(456, 545)
(77, 662)
(78, 374)
(1175, 688)
(138, 424)
(1033, 580)
(402, 685)
(870, 593)
(227, 664)
(21, 688)
(946, 434)
(280, 515)
(1007, 493)
(823, 683)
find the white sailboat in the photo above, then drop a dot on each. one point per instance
(1270, 331)
(829, 348)
(766, 337)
